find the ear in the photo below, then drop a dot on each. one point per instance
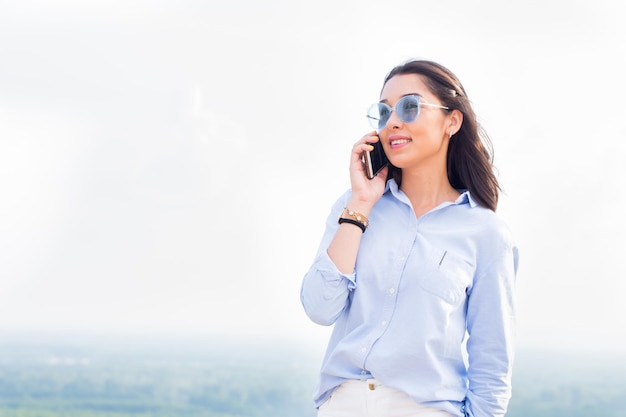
(455, 120)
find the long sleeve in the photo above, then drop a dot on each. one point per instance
(491, 327)
(324, 291)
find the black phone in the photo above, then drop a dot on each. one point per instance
(375, 160)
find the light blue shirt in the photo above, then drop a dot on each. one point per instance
(420, 286)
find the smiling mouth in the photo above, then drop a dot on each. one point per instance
(397, 142)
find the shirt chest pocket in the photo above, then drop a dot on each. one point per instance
(447, 276)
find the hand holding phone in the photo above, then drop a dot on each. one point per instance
(375, 160)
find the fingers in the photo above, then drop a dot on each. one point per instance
(364, 144)
(360, 149)
(363, 189)
(371, 137)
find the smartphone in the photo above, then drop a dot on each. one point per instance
(375, 160)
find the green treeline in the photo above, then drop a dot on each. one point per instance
(69, 382)
(140, 386)
(566, 384)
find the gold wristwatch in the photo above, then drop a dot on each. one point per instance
(355, 216)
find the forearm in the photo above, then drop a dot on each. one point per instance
(344, 247)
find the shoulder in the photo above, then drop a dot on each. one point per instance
(489, 228)
(496, 247)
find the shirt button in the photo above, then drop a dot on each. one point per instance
(384, 322)
(392, 290)
(363, 349)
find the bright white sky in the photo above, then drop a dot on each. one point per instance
(170, 165)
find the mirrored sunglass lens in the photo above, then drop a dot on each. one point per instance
(378, 115)
(408, 109)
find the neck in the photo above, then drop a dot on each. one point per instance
(427, 189)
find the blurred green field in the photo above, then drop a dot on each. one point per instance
(72, 379)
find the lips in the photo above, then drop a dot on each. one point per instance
(396, 141)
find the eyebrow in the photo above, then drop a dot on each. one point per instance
(404, 95)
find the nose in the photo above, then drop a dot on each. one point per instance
(394, 121)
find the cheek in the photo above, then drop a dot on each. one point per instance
(418, 130)
(426, 128)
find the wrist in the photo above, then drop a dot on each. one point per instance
(356, 218)
(362, 207)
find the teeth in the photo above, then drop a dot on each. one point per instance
(399, 141)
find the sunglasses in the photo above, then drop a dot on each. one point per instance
(407, 109)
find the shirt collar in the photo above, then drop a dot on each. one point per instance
(464, 198)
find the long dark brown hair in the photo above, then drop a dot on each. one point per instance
(470, 152)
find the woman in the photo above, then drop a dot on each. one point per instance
(418, 274)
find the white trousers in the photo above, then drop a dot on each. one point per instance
(369, 398)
